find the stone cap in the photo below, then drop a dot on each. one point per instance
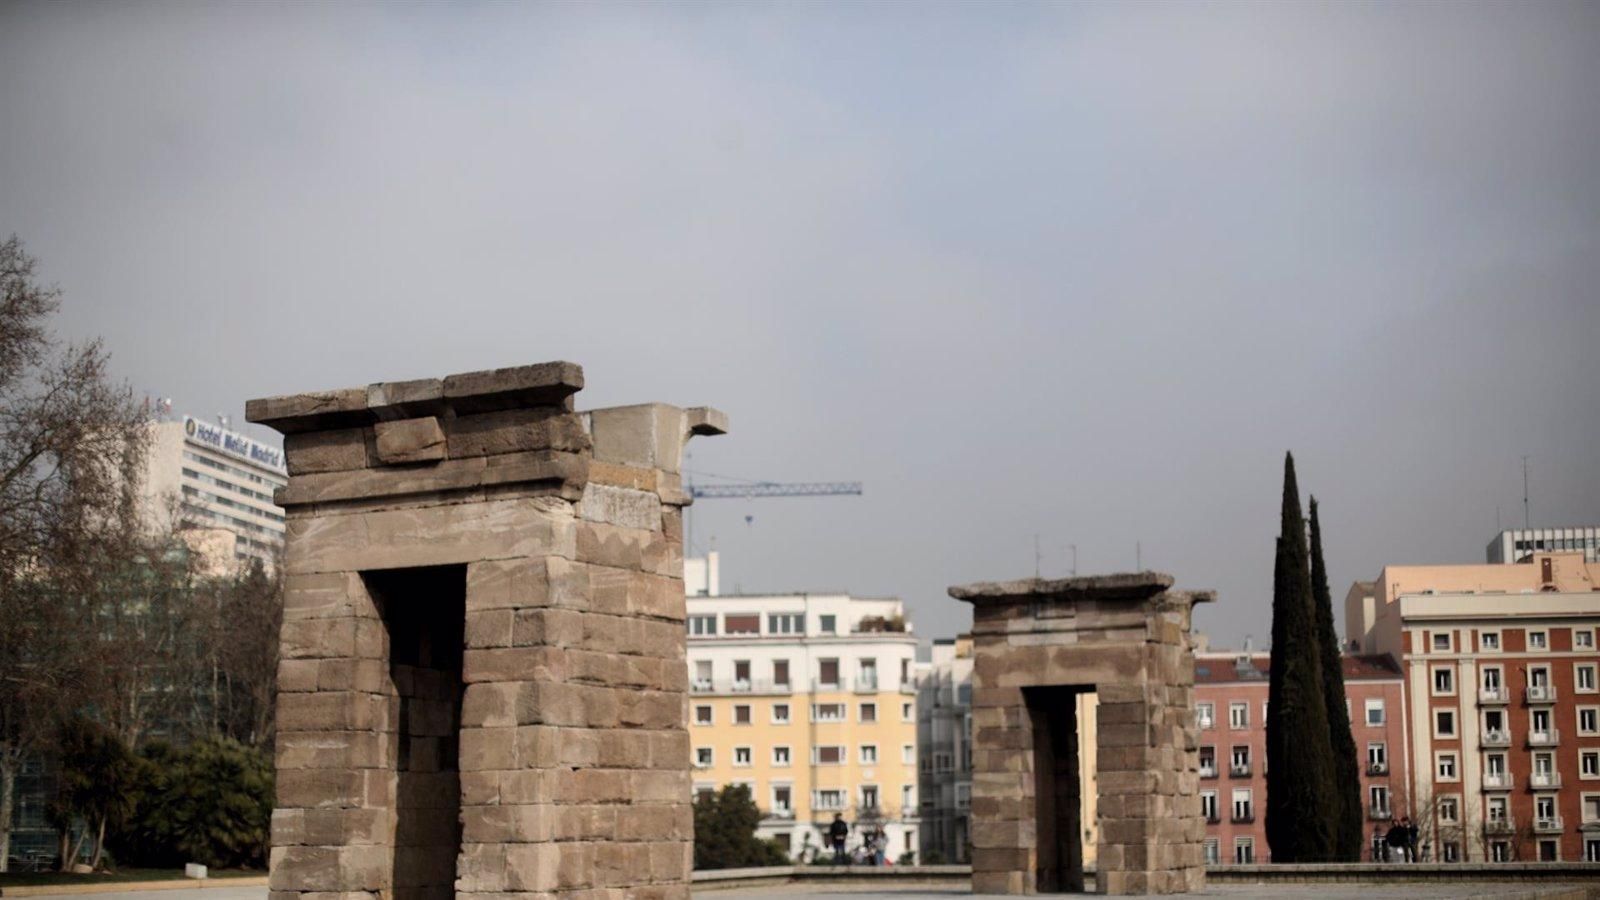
(1130, 587)
(541, 384)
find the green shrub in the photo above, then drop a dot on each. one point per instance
(209, 802)
(725, 832)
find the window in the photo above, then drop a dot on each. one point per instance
(780, 756)
(741, 756)
(1591, 849)
(1589, 764)
(908, 712)
(1489, 641)
(1213, 852)
(1208, 762)
(869, 712)
(1494, 721)
(1239, 760)
(702, 674)
(780, 673)
(869, 754)
(704, 790)
(944, 762)
(1450, 851)
(828, 672)
(1444, 680)
(1499, 851)
(1538, 640)
(1375, 711)
(1441, 642)
(1583, 678)
(1544, 770)
(1238, 715)
(742, 623)
(1495, 810)
(1544, 808)
(1444, 723)
(826, 624)
(702, 626)
(1445, 766)
(1208, 805)
(963, 796)
(741, 714)
(1377, 758)
(832, 798)
(1549, 851)
(1590, 808)
(780, 713)
(908, 797)
(1582, 639)
(1539, 725)
(869, 796)
(1378, 798)
(1493, 681)
(786, 623)
(702, 715)
(869, 675)
(1205, 714)
(828, 755)
(1244, 851)
(1587, 720)
(1449, 810)
(1243, 810)
(827, 712)
(782, 798)
(702, 757)
(908, 754)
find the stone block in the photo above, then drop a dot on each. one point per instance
(410, 441)
(516, 431)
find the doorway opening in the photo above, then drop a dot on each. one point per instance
(424, 613)
(1059, 786)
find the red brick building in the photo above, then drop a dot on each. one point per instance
(1231, 706)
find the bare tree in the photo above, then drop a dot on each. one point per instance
(72, 446)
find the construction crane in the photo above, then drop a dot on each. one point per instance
(751, 489)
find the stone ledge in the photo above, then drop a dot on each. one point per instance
(1123, 586)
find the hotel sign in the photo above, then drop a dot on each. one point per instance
(232, 443)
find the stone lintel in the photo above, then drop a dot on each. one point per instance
(541, 384)
(1130, 587)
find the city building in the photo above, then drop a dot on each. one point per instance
(944, 750)
(1230, 692)
(1502, 701)
(1518, 544)
(220, 481)
(810, 701)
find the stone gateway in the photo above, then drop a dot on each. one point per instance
(1037, 644)
(482, 687)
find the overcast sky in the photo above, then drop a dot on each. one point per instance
(1081, 271)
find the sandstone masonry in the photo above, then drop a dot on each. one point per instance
(1035, 644)
(482, 687)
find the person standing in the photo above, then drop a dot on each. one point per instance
(837, 833)
(1412, 832)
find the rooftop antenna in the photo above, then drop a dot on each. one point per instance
(1138, 557)
(1074, 559)
(1036, 554)
(1525, 519)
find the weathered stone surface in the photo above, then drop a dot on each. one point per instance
(560, 574)
(410, 440)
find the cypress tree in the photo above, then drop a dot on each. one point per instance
(1346, 766)
(1300, 767)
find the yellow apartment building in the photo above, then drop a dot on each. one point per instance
(810, 701)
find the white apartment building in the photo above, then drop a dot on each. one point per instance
(944, 741)
(1515, 545)
(810, 701)
(218, 479)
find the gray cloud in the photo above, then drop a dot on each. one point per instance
(1077, 270)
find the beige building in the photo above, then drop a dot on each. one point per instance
(1501, 702)
(220, 483)
(810, 701)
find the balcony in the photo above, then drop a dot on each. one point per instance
(1205, 722)
(1490, 696)
(1547, 738)
(1501, 825)
(731, 686)
(1242, 818)
(1239, 771)
(837, 684)
(1379, 813)
(779, 815)
(1208, 771)
(1540, 693)
(1498, 781)
(1213, 819)
(1377, 768)
(907, 686)
(1547, 825)
(1496, 739)
(1539, 781)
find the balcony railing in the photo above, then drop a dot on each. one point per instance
(907, 686)
(1212, 818)
(866, 684)
(1377, 768)
(1547, 825)
(1242, 818)
(1502, 825)
(1500, 781)
(1541, 693)
(1239, 771)
(1547, 738)
(1380, 813)
(1205, 722)
(1490, 695)
(1208, 771)
(732, 686)
(1541, 780)
(780, 815)
(1497, 738)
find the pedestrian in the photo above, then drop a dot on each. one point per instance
(837, 832)
(1412, 833)
(1394, 842)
